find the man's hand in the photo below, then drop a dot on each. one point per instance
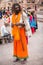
(12, 25)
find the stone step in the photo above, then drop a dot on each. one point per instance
(39, 16)
(40, 12)
(40, 19)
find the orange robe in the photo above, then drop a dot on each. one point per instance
(20, 44)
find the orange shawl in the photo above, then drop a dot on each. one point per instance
(15, 29)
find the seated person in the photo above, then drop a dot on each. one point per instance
(5, 32)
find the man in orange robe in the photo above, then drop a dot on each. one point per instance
(18, 33)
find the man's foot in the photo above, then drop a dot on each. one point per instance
(16, 60)
(24, 61)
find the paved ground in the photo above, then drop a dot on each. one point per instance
(35, 49)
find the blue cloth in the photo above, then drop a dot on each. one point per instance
(0, 14)
(32, 23)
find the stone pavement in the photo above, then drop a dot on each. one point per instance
(40, 16)
(35, 49)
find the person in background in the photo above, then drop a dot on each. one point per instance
(0, 14)
(35, 7)
(31, 17)
(4, 10)
(5, 32)
(8, 11)
(33, 23)
(35, 16)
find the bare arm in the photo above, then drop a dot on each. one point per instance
(18, 24)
